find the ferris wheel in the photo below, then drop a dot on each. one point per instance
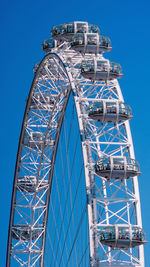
(75, 199)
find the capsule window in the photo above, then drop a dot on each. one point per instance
(81, 27)
(98, 106)
(80, 39)
(92, 39)
(27, 179)
(93, 28)
(123, 108)
(123, 233)
(36, 136)
(88, 66)
(102, 66)
(57, 30)
(118, 163)
(111, 107)
(115, 67)
(137, 234)
(132, 165)
(106, 164)
(92, 67)
(108, 233)
(70, 28)
(103, 41)
(49, 43)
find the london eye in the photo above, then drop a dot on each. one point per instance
(75, 199)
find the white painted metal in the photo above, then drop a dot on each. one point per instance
(36, 160)
(125, 144)
(110, 202)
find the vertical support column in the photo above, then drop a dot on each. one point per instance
(90, 201)
(135, 181)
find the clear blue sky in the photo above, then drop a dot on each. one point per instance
(24, 25)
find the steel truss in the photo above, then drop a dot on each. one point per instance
(108, 202)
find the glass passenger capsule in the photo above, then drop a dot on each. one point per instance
(29, 184)
(67, 30)
(117, 167)
(100, 69)
(36, 140)
(35, 68)
(109, 111)
(42, 102)
(90, 43)
(23, 232)
(42, 71)
(49, 44)
(122, 236)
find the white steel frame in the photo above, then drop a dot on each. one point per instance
(57, 75)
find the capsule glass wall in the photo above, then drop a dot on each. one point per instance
(49, 44)
(104, 41)
(23, 232)
(118, 163)
(101, 66)
(93, 28)
(115, 67)
(29, 183)
(63, 29)
(117, 167)
(72, 28)
(78, 39)
(110, 107)
(91, 41)
(118, 232)
(43, 102)
(36, 140)
(35, 68)
(125, 109)
(88, 66)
